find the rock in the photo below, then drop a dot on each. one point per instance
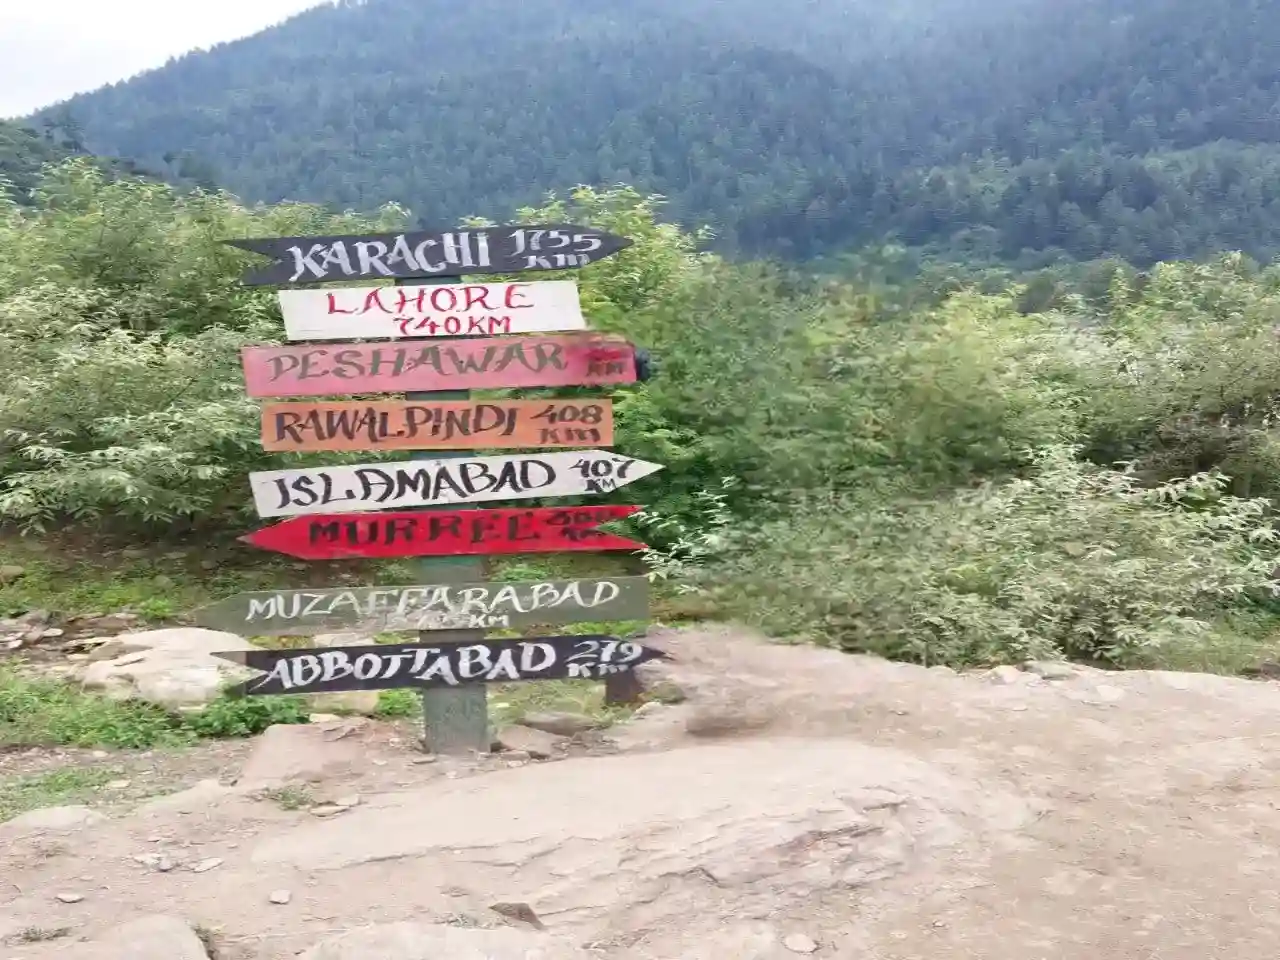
(201, 796)
(108, 622)
(741, 941)
(342, 640)
(54, 819)
(417, 941)
(1004, 675)
(280, 897)
(164, 864)
(35, 618)
(518, 913)
(68, 897)
(155, 937)
(666, 692)
(560, 724)
(363, 702)
(1108, 694)
(51, 633)
(535, 743)
(800, 943)
(323, 718)
(302, 752)
(1051, 669)
(10, 572)
(347, 802)
(118, 784)
(109, 650)
(728, 716)
(327, 810)
(647, 710)
(204, 866)
(172, 668)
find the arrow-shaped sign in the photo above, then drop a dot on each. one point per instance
(445, 533)
(379, 256)
(435, 606)
(388, 666)
(441, 310)
(422, 483)
(553, 360)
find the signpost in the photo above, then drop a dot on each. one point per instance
(439, 342)
(434, 606)
(344, 536)
(477, 309)
(440, 481)
(444, 425)
(563, 360)
(454, 253)
(440, 665)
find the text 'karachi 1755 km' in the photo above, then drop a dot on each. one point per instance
(430, 344)
(455, 253)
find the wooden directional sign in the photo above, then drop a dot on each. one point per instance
(488, 363)
(385, 667)
(445, 533)
(487, 250)
(424, 483)
(453, 606)
(439, 425)
(371, 313)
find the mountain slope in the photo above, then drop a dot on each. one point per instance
(23, 152)
(1009, 129)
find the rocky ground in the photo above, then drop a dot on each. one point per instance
(800, 802)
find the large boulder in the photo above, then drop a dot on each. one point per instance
(418, 941)
(172, 668)
(155, 937)
(287, 753)
(53, 820)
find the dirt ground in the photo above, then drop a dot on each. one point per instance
(800, 802)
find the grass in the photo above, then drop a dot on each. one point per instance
(69, 785)
(40, 934)
(44, 712)
(289, 797)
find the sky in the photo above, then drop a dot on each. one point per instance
(51, 49)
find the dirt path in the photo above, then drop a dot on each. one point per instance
(873, 810)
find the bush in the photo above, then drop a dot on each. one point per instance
(1071, 561)
(1190, 375)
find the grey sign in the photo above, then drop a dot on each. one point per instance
(459, 606)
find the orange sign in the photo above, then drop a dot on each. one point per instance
(438, 425)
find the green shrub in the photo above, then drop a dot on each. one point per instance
(1071, 561)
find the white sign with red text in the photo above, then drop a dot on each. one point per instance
(447, 310)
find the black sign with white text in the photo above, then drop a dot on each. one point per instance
(481, 250)
(388, 666)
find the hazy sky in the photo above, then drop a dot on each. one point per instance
(51, 49)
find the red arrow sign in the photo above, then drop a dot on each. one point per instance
(437, 533)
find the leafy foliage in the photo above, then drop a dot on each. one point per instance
(1071, 560)
(928, 474)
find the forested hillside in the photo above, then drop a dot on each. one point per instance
(23, 153)
(995, 130)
